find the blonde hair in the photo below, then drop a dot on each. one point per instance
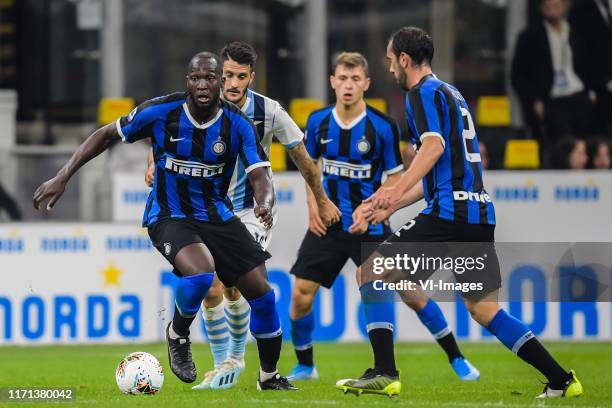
(351, 60)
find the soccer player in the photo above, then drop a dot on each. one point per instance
(227, 322)
(458, 210)
(356, 144)
(197, 139)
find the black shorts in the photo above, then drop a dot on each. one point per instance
(455, 240)
(320, 259)
(234, 250)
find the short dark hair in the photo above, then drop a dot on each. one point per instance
(415, 42)
(241, 52)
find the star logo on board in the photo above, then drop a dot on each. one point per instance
(111, 275)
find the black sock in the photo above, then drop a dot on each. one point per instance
(449, 344)
(305, 357)
(269, 352)
(382, 346)
(535, 354)
(181, 324)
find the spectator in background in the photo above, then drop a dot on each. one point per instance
(599, 155)
(569, 153)
(10, 205)
(592, 19)
(549, 74)
(484, 155)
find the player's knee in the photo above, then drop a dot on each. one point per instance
(302, 298)
(482, 312)
(231, 294)
(415, 305)
(264, 317)
(214, 296)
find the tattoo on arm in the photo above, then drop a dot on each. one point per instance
(309, 170)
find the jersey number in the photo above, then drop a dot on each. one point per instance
(469, 133)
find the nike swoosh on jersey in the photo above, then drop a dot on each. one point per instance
(326, 141)
(257, 122)
(176, 140)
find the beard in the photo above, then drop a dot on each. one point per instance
(402, 80)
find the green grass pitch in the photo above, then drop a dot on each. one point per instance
(427, 378)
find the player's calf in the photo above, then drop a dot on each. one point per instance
(302, 326)
(190, 292)
(265, 327)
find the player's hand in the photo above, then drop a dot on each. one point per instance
(360, 224)
(150, 175)
(383, 198)
(50, 189)
(329, 214)
(376, 217)
(315, 224)
(264, 215)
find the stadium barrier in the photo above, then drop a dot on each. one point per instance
(90, 283)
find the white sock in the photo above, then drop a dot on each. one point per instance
(238, 314)
(172, 334)
(217, 331)
(263, 376)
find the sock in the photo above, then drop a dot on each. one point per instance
(515, 335)
(263, 376)
(238, 317)
(432, 317)
(217, 332)
(378, 307)
(171, 333)
(301, 336)
(382, 346)
(190, 292)
(265, 327)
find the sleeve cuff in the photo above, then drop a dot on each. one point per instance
(294, 143)
(435, 134)
(118, 126)
(257, 165)
(395, 170)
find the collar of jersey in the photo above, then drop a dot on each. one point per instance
(245, 105)
(203, 125)
(353, 122)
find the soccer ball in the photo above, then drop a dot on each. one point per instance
(139, 373)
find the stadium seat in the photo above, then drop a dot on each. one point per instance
(522, 154)
(112, 108)
(300, 108)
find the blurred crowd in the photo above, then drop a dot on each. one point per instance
(562, 73)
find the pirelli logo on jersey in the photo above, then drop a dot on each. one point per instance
(350, 170)
(481, 197)
(193, 169)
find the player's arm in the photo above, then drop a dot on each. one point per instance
(290, 135)
(428, 128)
(315, 223)
(263, 192)
(150, 172)
(430, 151)
(327, 210)
(96, 143)
(257, 169)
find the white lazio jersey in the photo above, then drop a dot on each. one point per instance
(271, 120)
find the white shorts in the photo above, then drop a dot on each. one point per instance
(256, 228)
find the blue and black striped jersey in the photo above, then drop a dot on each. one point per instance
(354, 157)
(453, 188)
(194, 162)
